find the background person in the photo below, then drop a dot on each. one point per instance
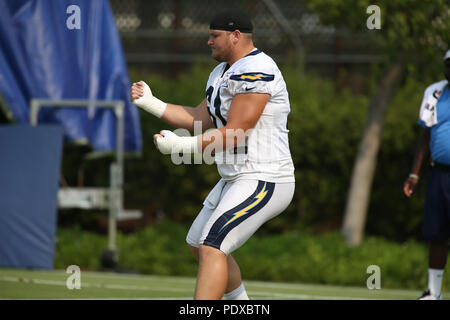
(435, 140)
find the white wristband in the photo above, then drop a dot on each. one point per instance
(171, 143)
(150, 103)
(415, 176)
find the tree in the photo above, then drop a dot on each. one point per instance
(414, 34)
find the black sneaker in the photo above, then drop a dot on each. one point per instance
(428, 296)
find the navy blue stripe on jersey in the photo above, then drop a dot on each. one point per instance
(212, 117)
(208, 97)
(225, 69)
(254, 53)
(252, 77)
(217, 104)
(230, 219)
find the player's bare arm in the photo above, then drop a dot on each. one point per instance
(422, 153)
(175, 115)
(244, 113)
(184, 117)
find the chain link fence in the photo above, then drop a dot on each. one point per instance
(159, 33)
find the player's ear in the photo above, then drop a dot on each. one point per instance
(236, 36)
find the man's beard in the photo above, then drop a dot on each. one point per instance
(219, 57)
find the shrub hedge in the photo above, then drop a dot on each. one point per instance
(288, 257)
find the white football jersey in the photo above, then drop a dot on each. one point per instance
(265, 154)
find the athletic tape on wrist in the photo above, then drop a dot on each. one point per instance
(150, 103)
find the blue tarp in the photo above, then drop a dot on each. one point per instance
(45, 53)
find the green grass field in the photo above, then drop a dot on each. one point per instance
(31, 284)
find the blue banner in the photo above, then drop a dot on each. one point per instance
(66, 49)
(30, 163)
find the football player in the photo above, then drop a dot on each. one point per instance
(247, 104)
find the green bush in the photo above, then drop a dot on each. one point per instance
(81, 248)
(325, 127)
(159, 250)
(391, 213)
(288, 257)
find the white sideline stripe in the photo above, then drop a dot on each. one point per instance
(253, 283)
(303, 296)
(113, 275)
(146, 288)
(137, 276)
(295, 286)
(248, 283)
(93, 285)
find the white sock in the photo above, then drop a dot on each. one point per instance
(237, 294)
(435, 281)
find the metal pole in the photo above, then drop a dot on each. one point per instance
(34, 109)
(116, 178)
(112, 218)
(119, 111)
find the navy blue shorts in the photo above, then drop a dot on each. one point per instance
(436, 222)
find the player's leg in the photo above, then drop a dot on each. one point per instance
(212, 274)
(242, 210)
(437, 260)
(438, 251)
(436, 229)
(234, 275)
(235, 289)
(196, 229)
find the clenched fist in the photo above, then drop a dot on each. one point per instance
(141, 96)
